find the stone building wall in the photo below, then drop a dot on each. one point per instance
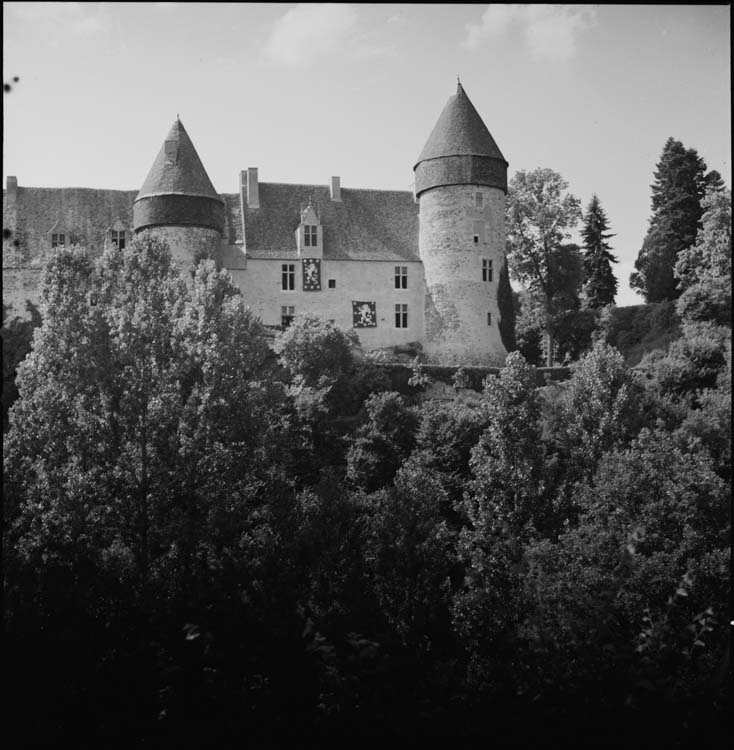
(457, 300)
(373, 281)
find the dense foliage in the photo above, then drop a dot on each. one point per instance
(600, 285)
(540, 216)
(209, 543)
(680, 183)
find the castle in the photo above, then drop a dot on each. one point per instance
(398, 267)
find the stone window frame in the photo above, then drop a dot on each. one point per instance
(287, 313)
(479, 200)
(487, 270)
(117, 235)
(288, 277)
(310, 235)
(58, 239)
(401, 315)
(332, 283)
(401, 277)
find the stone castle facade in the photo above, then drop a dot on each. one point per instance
(400, 268)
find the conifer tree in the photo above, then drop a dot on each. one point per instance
(600, 286)
(679, 187)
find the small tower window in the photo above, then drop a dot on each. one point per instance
(332, 283)
(288, 278)
(489, 318)
(58, 240)
(287, 313)
(486, 269)
(401, 316)
(478, 231)
(310, 236)
(401, 277)
(118, 239)
(479, 200)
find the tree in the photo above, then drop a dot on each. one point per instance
(540, 215)
(141, 428)
(703, 270)
(679, 187)
(600, 286)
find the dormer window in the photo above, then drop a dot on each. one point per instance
(118, 239)
(310, 236)
(58, 240)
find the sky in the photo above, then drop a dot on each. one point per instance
(307, 91)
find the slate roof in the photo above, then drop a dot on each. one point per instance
(365, 225)
(459, 131)
(85, 214)
(181, 173)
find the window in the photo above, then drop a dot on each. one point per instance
(332, 283)
(478, 232)
(479, 200)
(58, 240)
(489, 319)
(401, 277)
(310, 235)
(486, 269)
(401, 316)
(288, 277)
(287, 313)
(118, 238)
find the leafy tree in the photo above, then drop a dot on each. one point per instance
(383, 442)
(617, 601)
(679, 187)
(703, 270)
(540, 215)
(600, 286)
(138, 410)
(506, 309)
(17, 335)
(506, 504)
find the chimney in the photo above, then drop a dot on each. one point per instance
(336, 190)
(12, 185)
(253, 189)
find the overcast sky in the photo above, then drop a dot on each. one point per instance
(304, 92)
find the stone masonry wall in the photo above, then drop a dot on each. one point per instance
(457, 299)
(364, 281)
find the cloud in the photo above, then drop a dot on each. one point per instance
(78, 19)
(550, 31)
(309, 31)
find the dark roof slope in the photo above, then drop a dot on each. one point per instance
(84, 214)
(177, 168)
(365, 225)
(459, 131)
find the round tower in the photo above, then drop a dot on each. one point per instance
(461, 185)
(178, 203)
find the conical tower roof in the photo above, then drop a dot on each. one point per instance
(177, 190)
(465, 149)
(177, 169)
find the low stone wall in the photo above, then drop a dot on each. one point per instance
(474, 376)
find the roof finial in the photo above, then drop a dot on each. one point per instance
(458, 81)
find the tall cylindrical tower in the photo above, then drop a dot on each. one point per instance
(461, 184)
(178, 203)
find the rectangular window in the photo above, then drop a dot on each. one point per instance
(489, 319)
(118, 238)
(310, 236)
(486, 269)
(58, 240)
(401, 277)
(479, 198)
(332, 283)
(287, 313)
(288, 279)
(401, 316)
